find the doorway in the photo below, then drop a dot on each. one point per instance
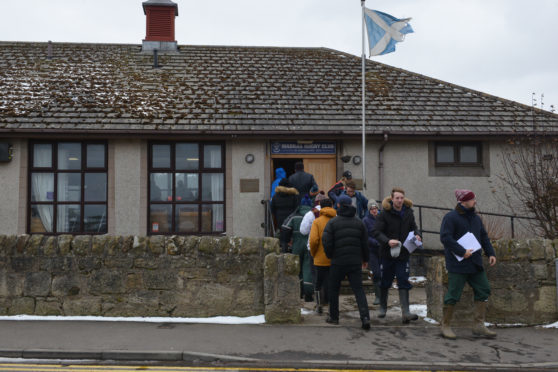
(323, 168)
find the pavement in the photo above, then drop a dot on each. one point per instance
(311, 344)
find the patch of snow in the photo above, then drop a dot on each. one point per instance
(304, 311)
(420, 310)
(553, 325)
(257, 319)
(417, 279)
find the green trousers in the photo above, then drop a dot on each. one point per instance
(456, 282)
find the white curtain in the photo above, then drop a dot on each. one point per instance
(42, 188)
(217, 187)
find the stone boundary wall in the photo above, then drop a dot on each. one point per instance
(523, 284)
(138, 276)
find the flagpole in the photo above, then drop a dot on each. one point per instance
(363, 103)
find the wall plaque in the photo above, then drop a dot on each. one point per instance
(249, 185)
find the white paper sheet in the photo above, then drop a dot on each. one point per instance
(468, 241)
(412, 243)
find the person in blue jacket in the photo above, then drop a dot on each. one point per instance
(358, 200)
(279, 175)
(465, 265)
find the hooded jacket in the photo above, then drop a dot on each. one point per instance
(345, 238)
(279, 175)
(315, 239)
(283, 203)
(392, 224)
(456, 224)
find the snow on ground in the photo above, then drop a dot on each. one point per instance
(258, 319)
(417, 279)
(553, 325)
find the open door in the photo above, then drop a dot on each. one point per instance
(324, 171)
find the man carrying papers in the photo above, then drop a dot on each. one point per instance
(392, 228)
(464, 261)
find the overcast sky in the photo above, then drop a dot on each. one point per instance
(507, 48)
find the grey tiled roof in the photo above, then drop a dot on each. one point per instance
(244, 90)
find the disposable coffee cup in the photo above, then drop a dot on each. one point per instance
(394, 251)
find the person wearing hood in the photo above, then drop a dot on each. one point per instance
(279, 175)
(345, 244)
(392, 227)
(321, 262)
(465, 265)
(284, 202)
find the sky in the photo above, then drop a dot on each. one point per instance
(506, 48)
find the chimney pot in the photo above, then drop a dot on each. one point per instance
(159, 32)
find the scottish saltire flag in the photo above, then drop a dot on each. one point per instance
(384, 31)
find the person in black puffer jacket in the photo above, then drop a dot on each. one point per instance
(284, 202)
(345, 241)
(392, 227)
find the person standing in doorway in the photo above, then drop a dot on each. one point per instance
(302, 181)
(393, 226)
(373, 248)
(284, 202)
(345, 244)
(465, 265)
(279, 175)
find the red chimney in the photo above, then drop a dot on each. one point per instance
(160, 20)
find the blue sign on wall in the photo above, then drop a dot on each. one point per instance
(294, 147)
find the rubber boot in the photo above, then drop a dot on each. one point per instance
(479, 329)
(406, 315)
(383, 302)
(376, 294)
(446, 320)
(319, 309)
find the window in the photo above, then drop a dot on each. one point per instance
(68, 188)
(458, 154)
(186, 188)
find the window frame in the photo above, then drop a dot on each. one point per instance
(199, 202)
(54, 169)
(456, 154)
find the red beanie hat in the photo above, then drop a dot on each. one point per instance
(463, 195)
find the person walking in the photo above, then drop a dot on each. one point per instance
(345, 244)
(302, 181)
(279, 175)
(321, 261)
(465, 265)
(358, 200)
(373, 249)
(392, 227)
(284, 202)
(291, 230)
(336, 190)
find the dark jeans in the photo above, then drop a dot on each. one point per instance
(354, 273)
(395, 268)
(456, 282)
(322, 282)
(374, 266)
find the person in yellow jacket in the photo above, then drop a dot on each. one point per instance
(321, 262)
